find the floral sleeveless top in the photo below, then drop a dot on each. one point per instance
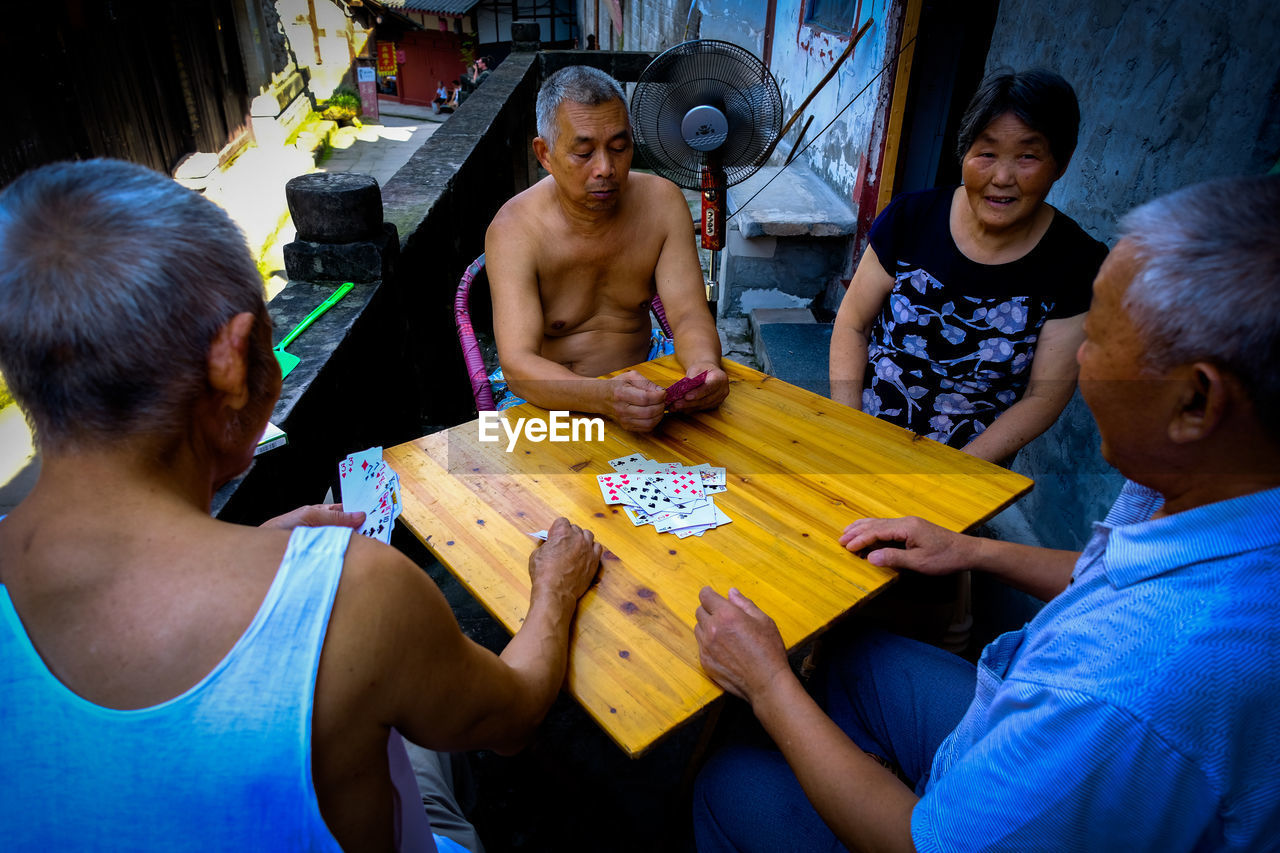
(952, 347)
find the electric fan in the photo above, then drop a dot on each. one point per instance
(706, 114)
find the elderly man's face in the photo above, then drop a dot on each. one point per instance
(1130, 403)
(592, 155)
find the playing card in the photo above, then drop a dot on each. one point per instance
(639, 519)
(701, 517)
(710, 476)
(682, 485)
(368, 484)
(648, 497)
(674, 498)
(393, 488)
(356, 474)
(685, 385)
(614, 488)
(378, 523)
(624, 464)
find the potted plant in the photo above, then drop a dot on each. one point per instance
(344, 106)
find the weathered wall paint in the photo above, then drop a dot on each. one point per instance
(847, 154)
(802, 54)
(1170, 94)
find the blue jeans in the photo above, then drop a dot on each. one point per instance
(894, 697)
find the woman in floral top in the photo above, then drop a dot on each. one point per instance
(964, 316)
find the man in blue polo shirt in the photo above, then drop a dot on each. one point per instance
(1138, 710)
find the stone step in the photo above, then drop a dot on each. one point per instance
(792, 346)
(788, 241)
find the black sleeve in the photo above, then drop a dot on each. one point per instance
(1080, 256)
(883, 231)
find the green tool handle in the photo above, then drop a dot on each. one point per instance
(311, 318)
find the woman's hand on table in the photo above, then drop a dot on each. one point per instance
(567, 562)
(316, 515)
(739, 645)
(918, 545)
(708, 395)
(633, 402)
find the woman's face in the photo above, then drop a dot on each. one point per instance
(1007, 173)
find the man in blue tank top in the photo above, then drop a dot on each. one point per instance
(169, 681)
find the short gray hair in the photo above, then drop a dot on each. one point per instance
(580, 84)
(1209, 283)
(114, 280)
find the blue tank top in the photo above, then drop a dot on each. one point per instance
(224, 766)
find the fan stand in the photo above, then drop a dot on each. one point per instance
(714, 207)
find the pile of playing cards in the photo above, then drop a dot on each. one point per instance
(369, 485)
(674, 498)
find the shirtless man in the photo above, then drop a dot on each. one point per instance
(575, 260)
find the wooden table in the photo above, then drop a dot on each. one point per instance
(800, 468)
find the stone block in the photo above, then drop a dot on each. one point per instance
(335, 207)
(526, 36)
(760, 316)
(798, 353)
(358, 261)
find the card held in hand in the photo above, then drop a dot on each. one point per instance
(684, 386)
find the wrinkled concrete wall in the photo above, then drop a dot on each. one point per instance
(657, 24)
(324, 45)
(1171, 94)
(651, 25)
(847, 154)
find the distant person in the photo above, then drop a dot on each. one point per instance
(171, 681)
(963, 317)
(1137, 711)
(575, 261)
(442, 97)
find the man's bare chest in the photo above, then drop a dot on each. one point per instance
(606, 269)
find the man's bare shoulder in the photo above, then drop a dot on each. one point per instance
(526, 208)
(656, 189)
(658, 200)
(379, 571)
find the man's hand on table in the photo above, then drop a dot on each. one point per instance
(316, 515)
(708, 395)
(635, 403)
(739, 645)
(924, 547)
(566, 563)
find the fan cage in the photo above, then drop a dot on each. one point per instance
(712, 73)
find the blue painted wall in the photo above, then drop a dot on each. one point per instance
(1170, 94)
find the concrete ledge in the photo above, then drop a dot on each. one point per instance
(793, 202)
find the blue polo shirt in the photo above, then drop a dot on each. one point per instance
(1140, 709)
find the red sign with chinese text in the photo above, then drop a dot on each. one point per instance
(387, 57)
